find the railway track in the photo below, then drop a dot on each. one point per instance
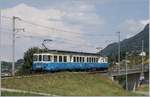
(48, 73)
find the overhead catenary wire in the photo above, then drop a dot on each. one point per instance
(58, 39)
(61, 30)
(75, 36)
(63, 39)
(66, 40)
(56, 29)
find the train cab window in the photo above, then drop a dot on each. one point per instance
(104, 60)
(65, 58)
(35, 57)
(47, 58)
(55, 58)
(40, 57)
(96, 60)
(60, 58)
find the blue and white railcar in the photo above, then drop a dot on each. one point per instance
(55, 60)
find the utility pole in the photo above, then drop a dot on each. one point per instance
(126, 62)
(0, 49)
(118, 52)
(13, 42)
(13, 46)
(142, 54)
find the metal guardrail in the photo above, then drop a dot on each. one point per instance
(122, 71)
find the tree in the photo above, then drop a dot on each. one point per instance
(28, 59)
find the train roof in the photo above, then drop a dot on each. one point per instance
(71, 52)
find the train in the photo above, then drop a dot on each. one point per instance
(58, 60)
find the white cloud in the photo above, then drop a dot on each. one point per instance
(131, 27)
(52, 18)
(81, 16)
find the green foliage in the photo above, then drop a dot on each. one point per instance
(28, 59)
(6, 66)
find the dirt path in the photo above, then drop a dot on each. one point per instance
(142, 92)
(22, 91)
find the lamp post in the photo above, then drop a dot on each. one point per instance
(118, 52)
(142, 54)
(126, 63)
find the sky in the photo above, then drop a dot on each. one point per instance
(79, 25)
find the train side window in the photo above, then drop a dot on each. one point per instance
(60, 58)
(87, 59)
(94, 60)
(40, 57)
(35, 57)
(77, 59)
(47, 58)
(74, 59)
(55, 58)
(90, 60)
(80, 59)
(65, 58)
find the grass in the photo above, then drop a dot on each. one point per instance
(67, 84)
(6, 93)
(144, 88)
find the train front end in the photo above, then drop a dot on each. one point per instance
(37, 62)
